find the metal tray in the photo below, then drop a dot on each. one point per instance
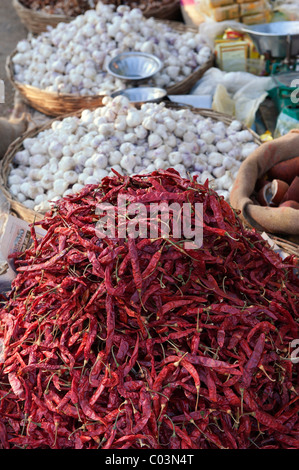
(142, 94)
(280, 38)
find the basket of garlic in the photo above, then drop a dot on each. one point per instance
(59, 158)
(37, 21)
(161, 9)
(38, 15)
(64, 70)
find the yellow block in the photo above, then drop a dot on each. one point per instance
(231, 55)
(228, 12)
(252, 8)
(258, 18)
(220, 3)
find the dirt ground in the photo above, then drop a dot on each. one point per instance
(11, 32)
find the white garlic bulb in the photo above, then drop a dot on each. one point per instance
(72, 152)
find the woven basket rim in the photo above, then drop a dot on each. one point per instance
(16, 145)
(51, 103)
(40, 14)
(288, 246)
(20, 86)
(170, 6)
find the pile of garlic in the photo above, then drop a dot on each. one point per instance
(82, 150)
(73, 58)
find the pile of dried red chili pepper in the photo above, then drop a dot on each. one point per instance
(141, 343)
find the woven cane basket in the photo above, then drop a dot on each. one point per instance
(289, 247)
(38, 21)
(5, 164)
(56, 104)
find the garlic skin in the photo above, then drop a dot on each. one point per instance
(247, 149)
(134, 118)
(208, 137)
(215, 159)
(218, 172)
(71, 177)
(59, 186)
(154, 141)
(224, 146)
(22, 157)
(55, 149)
(77, 151)
(65, 164)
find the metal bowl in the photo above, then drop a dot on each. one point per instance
(142, 94)
(134, 65)
(286, 79)
(281, 38)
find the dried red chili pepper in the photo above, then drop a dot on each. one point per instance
(135, 263)
(129, 344)
(254, 360)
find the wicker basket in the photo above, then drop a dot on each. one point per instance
(56, 104)
(37, 21)
(290, 247)
(30, 215)
(169, 11)
(20, 211)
